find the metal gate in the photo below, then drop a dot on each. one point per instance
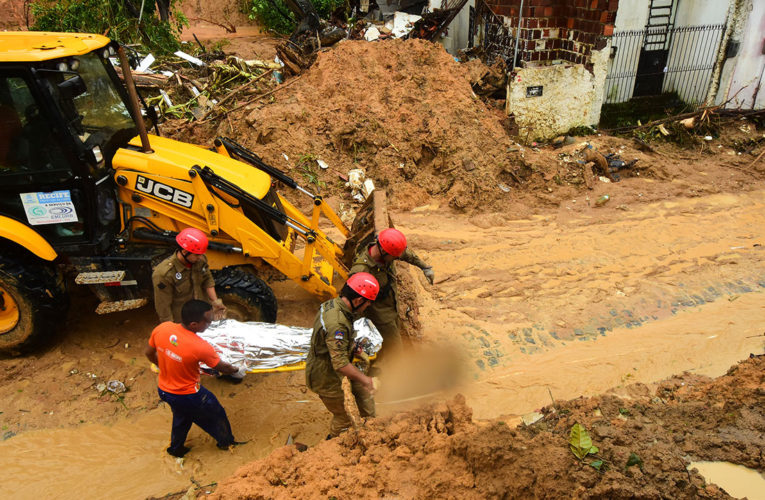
(488, 30)
(661, 60)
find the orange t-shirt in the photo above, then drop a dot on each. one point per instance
(179, 352)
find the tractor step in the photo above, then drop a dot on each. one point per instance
(107, 307)
(99, 277)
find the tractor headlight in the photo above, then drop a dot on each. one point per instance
(74, 64)
(62, 66)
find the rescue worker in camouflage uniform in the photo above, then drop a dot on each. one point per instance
(183, 276)
(377, 259)
(331, 352)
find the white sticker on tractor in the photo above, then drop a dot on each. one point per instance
(55, 207)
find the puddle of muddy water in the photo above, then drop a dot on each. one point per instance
(737, 480)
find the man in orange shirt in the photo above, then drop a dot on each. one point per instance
(177, 351)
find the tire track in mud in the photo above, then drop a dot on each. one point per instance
(511, 288)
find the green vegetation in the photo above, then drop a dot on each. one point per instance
(641, 110)
(275, 15)
(112, 19)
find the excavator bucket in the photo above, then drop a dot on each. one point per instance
(371, 218)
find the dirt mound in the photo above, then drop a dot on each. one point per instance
(402, 110)
(439, 452)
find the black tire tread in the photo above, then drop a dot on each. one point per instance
(232, 280)
(44, 287)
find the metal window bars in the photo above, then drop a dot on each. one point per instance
(684, 65)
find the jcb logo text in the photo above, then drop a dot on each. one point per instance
(164, 192)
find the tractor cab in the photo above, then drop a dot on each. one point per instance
(63, 115)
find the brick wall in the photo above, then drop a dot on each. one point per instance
(567, 30)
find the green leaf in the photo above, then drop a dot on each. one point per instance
(597, 464)
(593, 450)
(579, 441)
(634, 460)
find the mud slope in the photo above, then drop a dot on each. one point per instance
(439, 452)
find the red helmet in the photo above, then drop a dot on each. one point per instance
(392, 241)
(192, 240)
(364, 284)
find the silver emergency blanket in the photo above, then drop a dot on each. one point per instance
(266, 346)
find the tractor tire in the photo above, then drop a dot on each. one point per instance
(33, 303)
(246, 297)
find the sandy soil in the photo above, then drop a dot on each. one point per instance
(439, 451)
(539, 293)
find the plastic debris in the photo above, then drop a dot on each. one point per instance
(602, 200)
(322, 164)
(367, 188)
(356, 178)
(403, 23)
(166, 98)
(532, 417)
(145, 63)
(191, 59)
(371, 34)
(116, 387)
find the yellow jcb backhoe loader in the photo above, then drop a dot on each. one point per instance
(86, 191)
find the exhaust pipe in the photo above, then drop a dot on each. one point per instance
(133, 98)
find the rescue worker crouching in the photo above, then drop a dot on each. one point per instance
(378, 260)
(331, 352)
(183, 276)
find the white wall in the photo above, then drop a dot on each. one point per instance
(744, 74)
(632, 15)
(457, 34)
(698, 12)
(695, 48)
(571, 97)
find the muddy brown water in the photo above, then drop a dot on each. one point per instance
(738, 481)
(571, 303)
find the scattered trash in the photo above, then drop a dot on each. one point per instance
(403, 23)
(367, 188)
(116, 387)
(166, 98)
(101, 387)
(663, 130)
(189, 58)
(322, 164)
(145, 63)
(278, 75)
(562, 140)
(371, 34)
(604, 179)
(532, 417)
(602, 200)
(356, 179)
(504, 187)
(688, 123)
(708, 138)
